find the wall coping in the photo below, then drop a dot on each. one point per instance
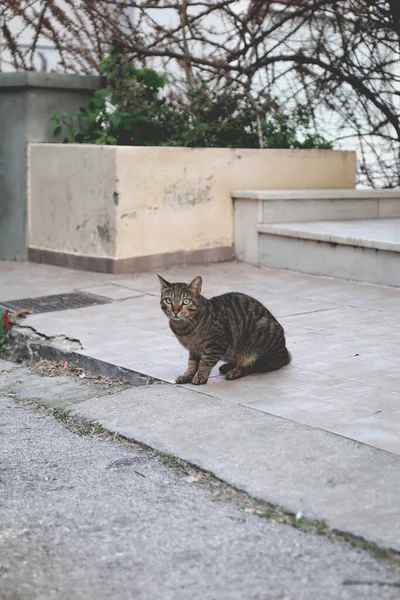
(331, 194)
(21, 80)
(298, 152)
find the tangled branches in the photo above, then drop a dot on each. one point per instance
(338, 60)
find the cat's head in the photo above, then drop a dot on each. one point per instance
(180, 301)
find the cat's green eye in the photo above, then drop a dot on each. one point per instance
(168, 300)
(186, 301)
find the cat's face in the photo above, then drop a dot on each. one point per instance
(180, 301)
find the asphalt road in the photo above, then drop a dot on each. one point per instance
(87, 518)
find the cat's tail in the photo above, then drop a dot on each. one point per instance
(273, 362)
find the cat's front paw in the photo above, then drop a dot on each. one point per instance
(184, 378)
(198, 380)
(234, 373)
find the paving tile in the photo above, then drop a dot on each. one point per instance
(374, 436)
(279, 410)
(111, 291)
(22, 280)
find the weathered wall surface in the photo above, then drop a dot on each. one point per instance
(180, 198)
(71, 205)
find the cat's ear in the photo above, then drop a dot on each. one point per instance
(164, 283)
(195, 285)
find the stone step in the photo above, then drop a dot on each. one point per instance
(361, 250)
(280, 206)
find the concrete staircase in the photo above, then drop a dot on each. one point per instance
(353, 234)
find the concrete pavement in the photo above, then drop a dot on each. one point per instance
(273, 435)
(344, 338)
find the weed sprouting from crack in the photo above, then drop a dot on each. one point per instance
(58, 412)
(85, 429)
(96, 429)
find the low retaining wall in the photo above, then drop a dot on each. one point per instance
(123, 209)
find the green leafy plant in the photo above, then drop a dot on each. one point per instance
(4, 326)
(132, 109)
(129, 110)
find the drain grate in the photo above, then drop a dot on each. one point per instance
(44, 304)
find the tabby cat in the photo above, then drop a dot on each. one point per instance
(233, 327)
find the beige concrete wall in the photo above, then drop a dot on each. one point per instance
(180, 198)
(71, 198)
(125, 202)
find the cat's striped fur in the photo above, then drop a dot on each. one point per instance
(232, 327)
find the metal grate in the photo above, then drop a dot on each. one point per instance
(44, 304)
